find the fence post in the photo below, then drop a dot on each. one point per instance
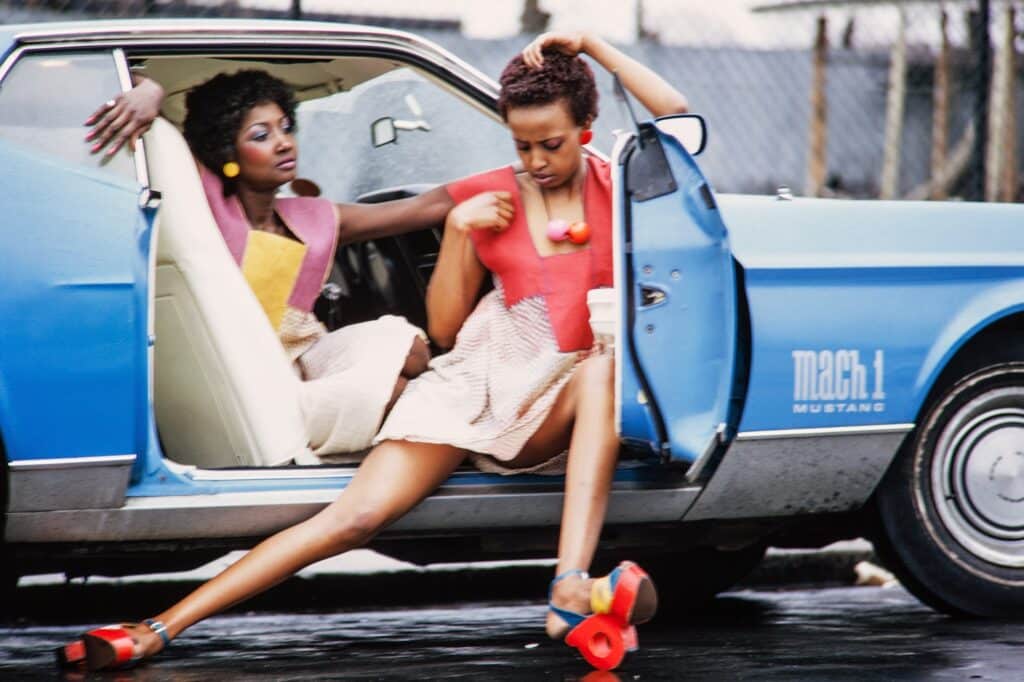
(895, 98)
(817, 160)
(1001, 159)
(983, 60)
(940, 112)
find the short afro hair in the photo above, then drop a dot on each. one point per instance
(560, 77)
(215, 110)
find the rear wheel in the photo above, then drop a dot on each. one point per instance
(951, 508)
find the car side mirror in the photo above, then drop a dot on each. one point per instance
(689, 129)
(382, 131)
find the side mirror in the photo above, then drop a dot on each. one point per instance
(382, 131)
(689, 129)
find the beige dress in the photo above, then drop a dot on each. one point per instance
(492, 392)
(348, 377)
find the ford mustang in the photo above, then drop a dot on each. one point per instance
(788, 371)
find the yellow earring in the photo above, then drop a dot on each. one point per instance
(231, 169)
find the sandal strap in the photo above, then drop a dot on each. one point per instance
(571, 618)
(159, 628)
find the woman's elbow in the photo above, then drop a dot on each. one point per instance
(440, 334)
(677, 105)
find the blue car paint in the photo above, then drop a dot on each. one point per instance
(903, 285)
(686, 345)
(72, 295)
(813, 268)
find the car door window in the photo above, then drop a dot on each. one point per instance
(336, 148)
(45, 99)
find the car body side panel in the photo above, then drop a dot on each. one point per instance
(856, 306)
(69, 357)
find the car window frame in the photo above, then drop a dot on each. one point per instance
(121, 70)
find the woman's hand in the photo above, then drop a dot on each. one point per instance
(487, 210)
(125, 118)
(570, 43)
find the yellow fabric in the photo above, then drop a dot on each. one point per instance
(601, 595)
(271, 265)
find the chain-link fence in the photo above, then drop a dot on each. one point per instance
(862, 98)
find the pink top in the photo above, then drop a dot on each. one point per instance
(311, 219)
(562, 279)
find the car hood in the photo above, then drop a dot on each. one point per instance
(832, 233)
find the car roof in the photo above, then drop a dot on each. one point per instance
(141, 29)
(139, 32)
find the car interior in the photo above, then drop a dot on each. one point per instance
(224, 393)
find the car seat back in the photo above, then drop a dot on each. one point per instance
(225, 393)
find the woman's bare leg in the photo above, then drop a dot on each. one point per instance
(582, 418)
(415, 364)
(416, 361)
(393, 478)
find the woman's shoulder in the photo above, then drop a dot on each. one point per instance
(495, 179)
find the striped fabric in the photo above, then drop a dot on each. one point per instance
(493, 390)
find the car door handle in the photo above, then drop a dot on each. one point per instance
(652, 295)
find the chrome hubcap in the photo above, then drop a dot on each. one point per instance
(978, 477)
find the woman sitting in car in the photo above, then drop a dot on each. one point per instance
(241, 130)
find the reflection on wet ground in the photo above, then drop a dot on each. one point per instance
(830, 634)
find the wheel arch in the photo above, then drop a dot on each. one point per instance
(980, 333)
(991, 340)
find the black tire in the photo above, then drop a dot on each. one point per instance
(951, 507)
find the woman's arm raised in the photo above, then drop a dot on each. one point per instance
(458, 274)
(653, 91)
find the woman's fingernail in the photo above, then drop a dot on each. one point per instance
(95, 147)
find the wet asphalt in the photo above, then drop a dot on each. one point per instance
(847, 633)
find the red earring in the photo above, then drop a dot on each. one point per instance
(586, 136)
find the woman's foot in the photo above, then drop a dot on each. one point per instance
(627, 593)
(148, 642)
(115, 646)
(571, 593)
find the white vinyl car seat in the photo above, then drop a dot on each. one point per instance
(225, 393)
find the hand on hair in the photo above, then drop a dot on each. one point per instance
(487, 210)
(570, 43)
(125, 118)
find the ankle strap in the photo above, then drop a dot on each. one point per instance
(568, 574)
(571, 618)
(159, 628)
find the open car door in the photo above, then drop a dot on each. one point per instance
(677, 355)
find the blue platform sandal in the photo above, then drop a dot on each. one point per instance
(621, 599)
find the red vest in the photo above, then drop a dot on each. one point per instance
(562, 279)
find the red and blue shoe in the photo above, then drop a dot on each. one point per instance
(619, 601)
(110, 647)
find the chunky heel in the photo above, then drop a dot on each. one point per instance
(602, 641)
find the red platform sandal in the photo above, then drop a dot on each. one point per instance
(620, 600)
(107, 648)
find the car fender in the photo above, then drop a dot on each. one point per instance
(980, 312)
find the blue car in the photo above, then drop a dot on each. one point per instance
(789, 371)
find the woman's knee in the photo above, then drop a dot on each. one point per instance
(596, 373)
(353, 529)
